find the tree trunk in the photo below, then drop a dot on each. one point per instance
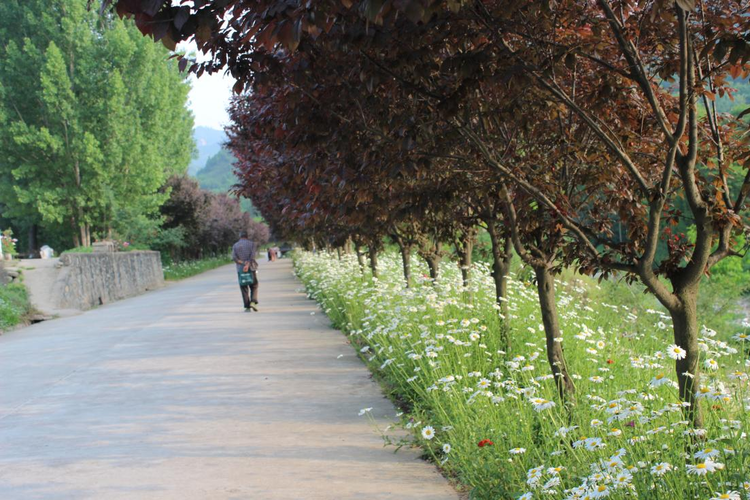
(433, 263)
(467, 247)
(338, 252)
(406, 261)
(546, 288)
(501, 258)
(33, 246)
(374, 261)
(685, 319)
(360, 257)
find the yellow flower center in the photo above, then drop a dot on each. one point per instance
(700, 466)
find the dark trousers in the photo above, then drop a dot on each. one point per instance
(250, 292)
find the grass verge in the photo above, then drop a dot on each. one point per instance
(185, 269)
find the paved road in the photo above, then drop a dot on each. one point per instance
(177, 394)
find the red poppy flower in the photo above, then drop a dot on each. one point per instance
(485, 442)
(610, 361)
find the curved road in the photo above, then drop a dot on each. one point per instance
(177, 394)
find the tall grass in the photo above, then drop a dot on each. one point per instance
(490, 417)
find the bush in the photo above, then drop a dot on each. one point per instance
(14, 305)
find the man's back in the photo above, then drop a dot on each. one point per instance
(243, 250)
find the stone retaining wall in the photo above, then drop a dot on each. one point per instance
(89, 280)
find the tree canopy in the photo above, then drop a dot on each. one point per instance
(582, 133)
(92, 120)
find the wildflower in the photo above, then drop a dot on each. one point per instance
(624, 478)
(364, 410)
(706, 453)
(446, 448)
(728, 495)
(596, 379)
(552, 483)
(541, 404)
(615, 432)
(742, 337)
(526, 496)
(659, 380)
(661, 468)
(485, 442)
(702, 468)
(676, 352)
(428, 432)
(596, 422)
(517, 451)
(600, 491)
(711, 364)
(483, 383)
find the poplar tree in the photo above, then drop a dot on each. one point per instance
(92, 120)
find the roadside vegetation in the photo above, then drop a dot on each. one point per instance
(187, 268)
(487, 411)
(14, 305)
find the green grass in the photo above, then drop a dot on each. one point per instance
(185, 269)
(79, 250)
(14, 305)
(442, 359)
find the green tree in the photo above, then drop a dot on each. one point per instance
(92, 120)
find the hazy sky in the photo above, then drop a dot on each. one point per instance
(209, 96)
(209, 99)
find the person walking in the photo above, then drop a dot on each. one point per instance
(243, 255)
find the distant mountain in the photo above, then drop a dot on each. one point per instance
(208, 142)
(217, 176)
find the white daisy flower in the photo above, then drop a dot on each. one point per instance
(703, 468)
(428, 432)
(541, 404)
(706, 453)
(676, 352)
(661, 468)
(728, 495)
(659, 380)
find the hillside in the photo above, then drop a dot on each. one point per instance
(208, 142)
(217, 176)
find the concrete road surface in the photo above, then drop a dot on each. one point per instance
(178, 394)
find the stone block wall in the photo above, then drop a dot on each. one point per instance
(89, 280)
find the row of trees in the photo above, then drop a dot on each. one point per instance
(93, 121)
(199, 223)
(582, 134)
